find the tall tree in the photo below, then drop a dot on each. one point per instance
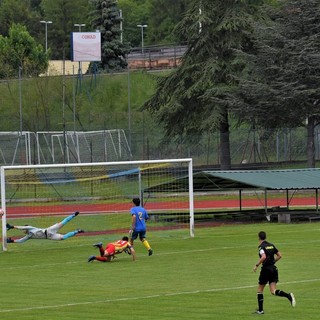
(164, 16)
(106, 19)
(20, 50)
(64, 14)
(198, 96)
(13, 11)
(284, 84)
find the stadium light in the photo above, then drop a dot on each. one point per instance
(142, 26)
(46, 24)
(79, 25)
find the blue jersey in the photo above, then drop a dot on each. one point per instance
(141, 217)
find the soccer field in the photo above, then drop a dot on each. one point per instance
(206, 277)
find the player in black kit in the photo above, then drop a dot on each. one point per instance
(268, 256)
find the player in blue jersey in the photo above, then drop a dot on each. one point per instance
(138, 228)
(268, 256)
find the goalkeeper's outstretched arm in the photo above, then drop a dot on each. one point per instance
(24, 239)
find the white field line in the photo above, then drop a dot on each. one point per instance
(150, 296)
(298, 243)
(144, 297)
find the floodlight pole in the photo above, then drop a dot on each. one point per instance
(63, 107)
(20, 97)
(74, 102)
(200, 23)
(46, 28)
(79, 25)
(129, 102)
(121, 27)
(142, 26)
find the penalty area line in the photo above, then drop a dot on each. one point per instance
(145, 297)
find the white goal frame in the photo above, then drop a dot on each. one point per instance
(187, 161)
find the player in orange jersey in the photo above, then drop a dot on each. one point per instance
(113, 248)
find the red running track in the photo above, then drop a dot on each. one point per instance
(150, 206)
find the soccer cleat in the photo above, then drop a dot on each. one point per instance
(292, 299)
(98, 245)
(9, 226)
(76, 213)
(150, 252)
(91, 258)
(80, 231)
(9, 240)
(258, 312)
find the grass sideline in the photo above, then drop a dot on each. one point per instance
(206, 277)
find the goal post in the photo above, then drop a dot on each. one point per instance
(102, 192)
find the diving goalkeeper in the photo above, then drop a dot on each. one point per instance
(50, 233)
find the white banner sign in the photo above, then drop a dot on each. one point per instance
(86, 46)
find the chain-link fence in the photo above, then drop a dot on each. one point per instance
(246, 146)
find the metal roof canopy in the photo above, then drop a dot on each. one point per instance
(289, 179)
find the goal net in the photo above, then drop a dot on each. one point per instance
(83, 147)
(102, 192)
(52, 147)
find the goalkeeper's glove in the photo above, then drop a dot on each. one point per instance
(9, 240)
(9, 226)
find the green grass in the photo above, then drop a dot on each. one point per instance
(206, 277)
(91, 223)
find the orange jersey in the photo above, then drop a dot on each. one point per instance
(121, 245)
(117, 247)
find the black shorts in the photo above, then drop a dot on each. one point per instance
(140, 234)
(268, 274)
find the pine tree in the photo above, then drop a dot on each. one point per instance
(106, 19)
(199, 95)
(283, 89)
